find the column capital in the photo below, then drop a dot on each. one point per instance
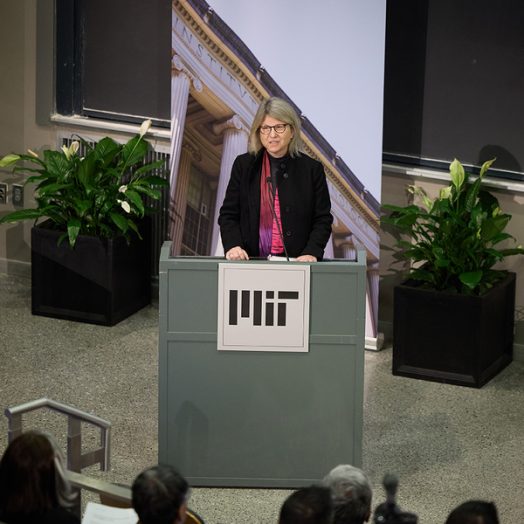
(234, 122)
(192, 151)
(178, 67)
(373, 266)
(347, 241)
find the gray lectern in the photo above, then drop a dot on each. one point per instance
(259, 419)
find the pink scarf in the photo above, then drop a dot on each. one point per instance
(266, 216)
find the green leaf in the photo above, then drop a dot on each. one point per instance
(52, 189)
(136, 199)
(485, 166)
(471, 279)
(472, 194)
(73, 230)
(159, 164)
(134, 227)
(106, 150)
(8, 160)
(86, 171)
(22, 214)
(56, 163)
(152, 193)
(81, 207)
(61, 238)
(120, 221)
(512, 251)
(134, 151)
(491, 227)
(457, 174)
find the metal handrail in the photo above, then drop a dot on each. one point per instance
(118, 493)
(76, 461)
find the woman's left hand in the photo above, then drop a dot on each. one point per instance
(306, 258)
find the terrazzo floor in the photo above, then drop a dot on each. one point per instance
(447, 443)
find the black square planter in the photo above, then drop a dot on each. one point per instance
(452, 338)
(100, 281)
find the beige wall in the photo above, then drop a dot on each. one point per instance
(18, 95)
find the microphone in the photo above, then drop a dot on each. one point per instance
(389, 512)
(269, 181)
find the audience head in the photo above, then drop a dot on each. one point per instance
(32, 478)
(474, 512)
(310, 505)
(351, 492)
(160, 496)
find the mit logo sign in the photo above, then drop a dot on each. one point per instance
(263, 306)
(258, 306)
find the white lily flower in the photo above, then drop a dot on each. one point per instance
(144, 128)
(122, 189)
(125, 206)
(71, 150)
(32, 153)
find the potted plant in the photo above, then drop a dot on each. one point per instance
(453, 318)
(87, 259)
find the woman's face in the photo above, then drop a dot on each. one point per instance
(276, 144)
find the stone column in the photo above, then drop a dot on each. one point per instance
(372, 286)
(328, 251)
(348, 248)
(234, 144)
(181, 79)
(179, 199)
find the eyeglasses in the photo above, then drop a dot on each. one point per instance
(279, 128)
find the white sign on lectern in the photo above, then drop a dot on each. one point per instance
(263, 307)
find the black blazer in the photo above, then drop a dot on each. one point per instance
(305, 206)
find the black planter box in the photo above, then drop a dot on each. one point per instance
(100, 281)
(452, 338)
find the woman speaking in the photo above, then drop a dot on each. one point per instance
(277, 200)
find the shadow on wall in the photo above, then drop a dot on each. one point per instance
(505, 160)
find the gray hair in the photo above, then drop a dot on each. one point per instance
(351, 492)
(281, 110)
(64, 491)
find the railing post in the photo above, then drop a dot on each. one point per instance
(74, 444)
(105, 444)
(14, 426)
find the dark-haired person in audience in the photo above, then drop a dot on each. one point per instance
(351, 492)
(474, 512)
(160, 495)
(310, 505)
(33, 487)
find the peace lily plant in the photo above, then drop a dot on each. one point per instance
(99, 194)
(452, 241)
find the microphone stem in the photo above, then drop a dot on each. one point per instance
(275, 218)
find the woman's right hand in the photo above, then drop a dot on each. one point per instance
(236, 253)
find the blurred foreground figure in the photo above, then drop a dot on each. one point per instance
(474, 512)
(160, 496)
(33, 487)
(310, 505)
(351, 492)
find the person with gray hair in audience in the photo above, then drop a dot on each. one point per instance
(351, 493)
(159, 496)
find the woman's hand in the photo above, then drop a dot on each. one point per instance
(236, 253)
(306, 258)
